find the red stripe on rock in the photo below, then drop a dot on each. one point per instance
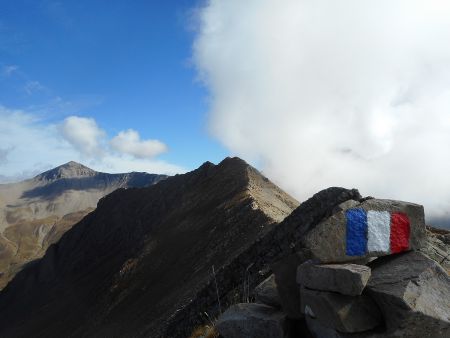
(400, 230)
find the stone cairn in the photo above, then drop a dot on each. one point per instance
(365, 275)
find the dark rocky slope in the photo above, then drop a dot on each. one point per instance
(35, 213)
(278, 250)
(128, 267)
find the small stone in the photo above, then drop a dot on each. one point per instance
(267, 293)
(342, 313)
(347, 279)
(251, 320)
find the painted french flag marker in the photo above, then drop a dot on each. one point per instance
(356, 240)
(378, 232)
(400, 231)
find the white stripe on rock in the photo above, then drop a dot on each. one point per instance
(378, 231)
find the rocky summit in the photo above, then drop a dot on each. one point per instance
(136, 265)
(37, 212)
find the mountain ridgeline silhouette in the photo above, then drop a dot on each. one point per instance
(143, 254)
(35, 213)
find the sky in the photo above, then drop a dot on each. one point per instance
(315, 93)
(110, 84)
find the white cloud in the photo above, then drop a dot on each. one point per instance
(129, 142)
(32, 87)
(8, 70)
(84, 134)
(33, 146)
(322, 93)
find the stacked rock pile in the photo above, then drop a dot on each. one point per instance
(366, 276)
(332, 296)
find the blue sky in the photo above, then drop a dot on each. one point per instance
(124, 64)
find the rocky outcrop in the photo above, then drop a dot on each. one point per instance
(252, 320)
(411, 291)
(346, 279)
(382, 286)
(35, 213)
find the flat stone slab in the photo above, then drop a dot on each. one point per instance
(345, 314)
(267, 293)
(372, 228)
(251, 320)
(346, 279)
(413, 292)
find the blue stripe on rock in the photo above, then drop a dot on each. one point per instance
(356, 235)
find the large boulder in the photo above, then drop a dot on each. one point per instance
(346, 279)
(413, 293)
(266, 292)
(371, 228)
(341, 313)
(251, 320)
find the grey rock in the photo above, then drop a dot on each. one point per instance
(327, 240)
(290, 233)
(250, 320)
(320, 331)
(341, 313)
(413, 293)
(267, 293)
(347, 279)
(285, 271)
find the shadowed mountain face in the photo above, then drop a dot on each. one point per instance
(142, 255)
(36, 212)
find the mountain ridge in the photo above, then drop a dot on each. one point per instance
(136, 247)
(35, 212)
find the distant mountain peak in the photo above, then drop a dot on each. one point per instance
(70, 169)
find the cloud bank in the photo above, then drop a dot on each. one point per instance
(29, 146)
(322, 93)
